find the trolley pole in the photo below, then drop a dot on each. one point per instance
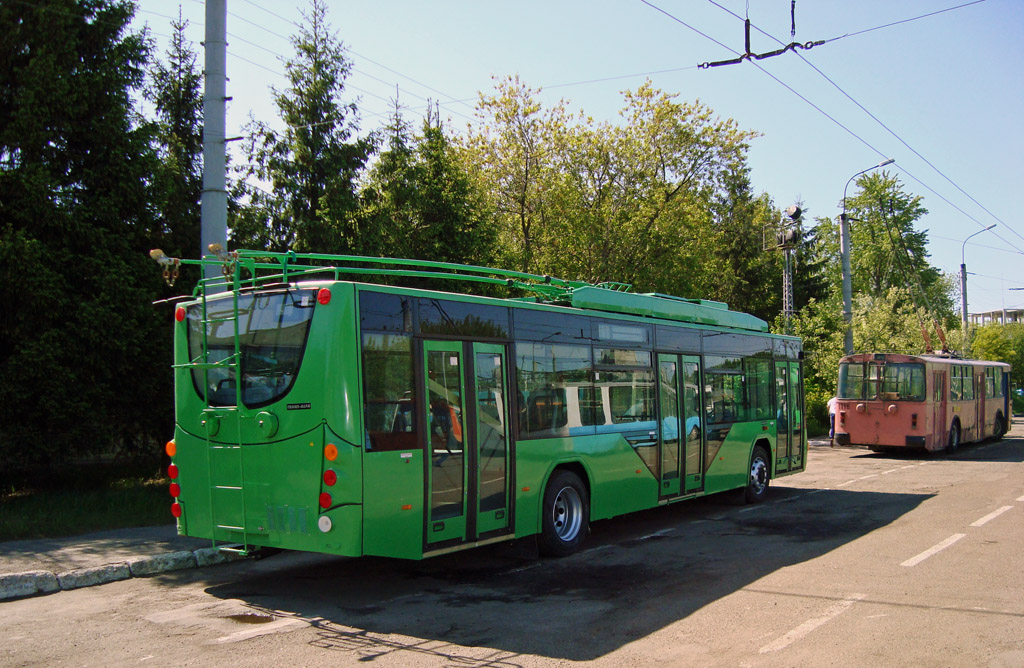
(214, 202)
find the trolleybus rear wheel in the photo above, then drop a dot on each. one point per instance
(760, 473)
(566, 515)
(1000, 427)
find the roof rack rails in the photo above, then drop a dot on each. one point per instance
(249, 269)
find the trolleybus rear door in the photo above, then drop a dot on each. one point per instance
(490, 439)
(446, 455)
(939, 389)
(467, 439)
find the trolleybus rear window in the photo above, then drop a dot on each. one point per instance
(272, 329)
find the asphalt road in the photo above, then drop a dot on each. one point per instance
(863, 560)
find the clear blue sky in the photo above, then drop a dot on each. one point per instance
(949, 87)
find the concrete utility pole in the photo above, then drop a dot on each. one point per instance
(963, 285)
(844, 251)
(214, 203)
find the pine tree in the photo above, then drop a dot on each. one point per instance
(83, 355)
(312, 164)
(175, 90)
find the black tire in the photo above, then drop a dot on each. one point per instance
(954, 438)
(1000, 427)
(760, 476)
(566, 515)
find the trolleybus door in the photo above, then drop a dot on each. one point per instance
(467, 439)
(681, 424)
(693, 424)
(939, 389)
(491, 438)
(789, 417)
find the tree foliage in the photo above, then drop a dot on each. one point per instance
(420, 201)
(661, 200)
(81, 347)
(174, 89)
(310, 168)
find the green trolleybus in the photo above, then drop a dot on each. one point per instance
(319, 407)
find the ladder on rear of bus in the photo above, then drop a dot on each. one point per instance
(225, 460)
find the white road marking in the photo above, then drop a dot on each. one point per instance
(811, 624)
(1021, 499)
(891, 471)
(844, 484)
(991, 516)
(870, 475)
(914, 561)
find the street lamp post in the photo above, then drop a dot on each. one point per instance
(844, 250)
(963, 284)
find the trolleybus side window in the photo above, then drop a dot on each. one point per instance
(545, 373)
(389, 411)
(725, 392)
(447, 317)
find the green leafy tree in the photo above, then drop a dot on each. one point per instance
(421, 201)
(83, 354)
(310, 168)
(1002, 343)
(514, 157)
(629, 202)
(886, 249)
(752, 281)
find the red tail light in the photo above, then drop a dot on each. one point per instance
(175, 490)
(330, 477)
(323, 296)
(172, 472)
(176, 509)
(179, 314)
(325, 500)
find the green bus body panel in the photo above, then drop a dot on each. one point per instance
(611, 466)
(394, 480)
(730, 467)
(661, 306)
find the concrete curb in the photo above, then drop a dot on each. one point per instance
(37, 583)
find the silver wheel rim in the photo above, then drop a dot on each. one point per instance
(567, 513)
(758, 476)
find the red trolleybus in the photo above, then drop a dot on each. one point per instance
(318, 408)
(929, 402)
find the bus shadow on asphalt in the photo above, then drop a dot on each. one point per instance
(1008, 450)
(635, 575)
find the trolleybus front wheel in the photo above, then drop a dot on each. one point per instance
(760, 473)
(566, 515)
(954, 437)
